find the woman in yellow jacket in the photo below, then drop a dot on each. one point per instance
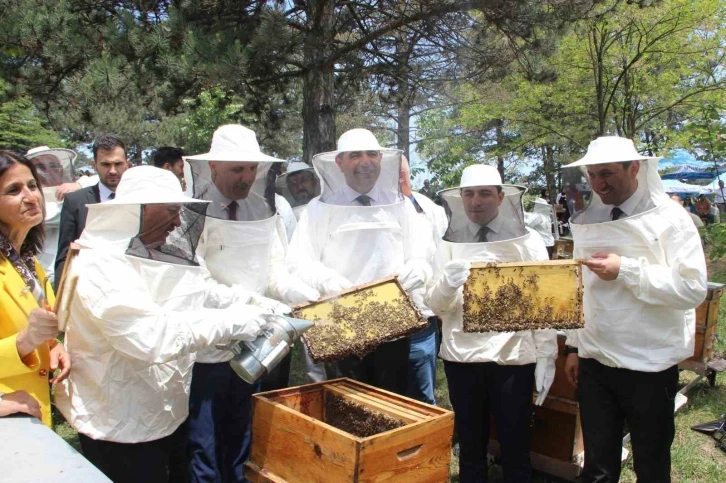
(28, 352)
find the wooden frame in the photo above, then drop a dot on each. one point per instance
(506, 297)
(291, 442)
(338, 337)
(66, 288)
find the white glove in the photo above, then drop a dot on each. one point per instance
(268, 304)
(411, 277)
(544, 374)
(42, 326)
(456, 273)
(244, 322)
(334, 283)
(295, 291)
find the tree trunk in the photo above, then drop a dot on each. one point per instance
(549, 171)
(318, 81)
(500, 142)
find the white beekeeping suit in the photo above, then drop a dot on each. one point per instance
(341, 241)
(244, 240)
(358, 230)
(507, 240)
(55, 167)
(141, 309)
(491, 372)
(644, 320)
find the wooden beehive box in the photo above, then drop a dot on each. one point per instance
(358, 320)
(707, 323)
(297, 436)
(506, 297)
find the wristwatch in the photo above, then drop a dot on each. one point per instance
(570, 350)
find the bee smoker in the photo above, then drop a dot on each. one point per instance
(254, 359)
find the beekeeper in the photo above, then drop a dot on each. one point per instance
(494, 371)
(141, 309)
(424, 345)
(542, 220)
(298, 186)
(359, 230)
(243, 244)
(646, 273)
(55, 168)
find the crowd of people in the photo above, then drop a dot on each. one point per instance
(170, 264)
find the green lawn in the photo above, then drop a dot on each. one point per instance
(694, 457)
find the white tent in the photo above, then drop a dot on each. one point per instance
(673, 186)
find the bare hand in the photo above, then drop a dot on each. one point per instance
(62, 190)
(604, 265)
(19, 402)
(42, 326)
(572, 368)
(59, 359)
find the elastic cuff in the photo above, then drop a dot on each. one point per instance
(570, 350)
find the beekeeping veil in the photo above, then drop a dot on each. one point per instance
(54, 167)
(360, 218)
(360, 172)
(298, 185)
(593, 191)
(482, 209)
(150, 218)
(241, 219)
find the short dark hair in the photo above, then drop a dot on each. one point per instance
(166, 154)
(107, 143)
(543, 193)
(36, 235)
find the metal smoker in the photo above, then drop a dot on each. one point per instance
(254, 359)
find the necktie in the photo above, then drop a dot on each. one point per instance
(111, 196)
(364, 200)
(232, 210)
(416, 205)
(616, 213)
(482, 234)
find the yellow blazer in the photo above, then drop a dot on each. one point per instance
(29, 374)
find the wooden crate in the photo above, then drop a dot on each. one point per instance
(292, 443)
(563, 248)
(707, 323)
(556, 442)
(358, 320)
(505, 297)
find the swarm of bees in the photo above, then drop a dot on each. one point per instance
(359, 326)
(497, 302)
(355, 418)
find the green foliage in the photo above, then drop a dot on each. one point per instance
(715, 238)
(21, 127)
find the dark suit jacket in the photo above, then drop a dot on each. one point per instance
(72, 222)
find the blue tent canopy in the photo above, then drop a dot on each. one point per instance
(689, 175)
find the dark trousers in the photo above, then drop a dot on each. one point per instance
(219, 424)
(130, 462)
(478, 389)
(386, 367)
(646, 400)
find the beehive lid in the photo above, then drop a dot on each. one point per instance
(358, 320)
(507, 297)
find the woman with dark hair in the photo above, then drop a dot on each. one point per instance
(29, 353)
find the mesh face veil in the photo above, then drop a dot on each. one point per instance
(54, 166)
(484, 214)
(168, 232)
(346, 175)
(299, 184)
(610, 174)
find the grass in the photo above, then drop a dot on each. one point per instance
(694, 457)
